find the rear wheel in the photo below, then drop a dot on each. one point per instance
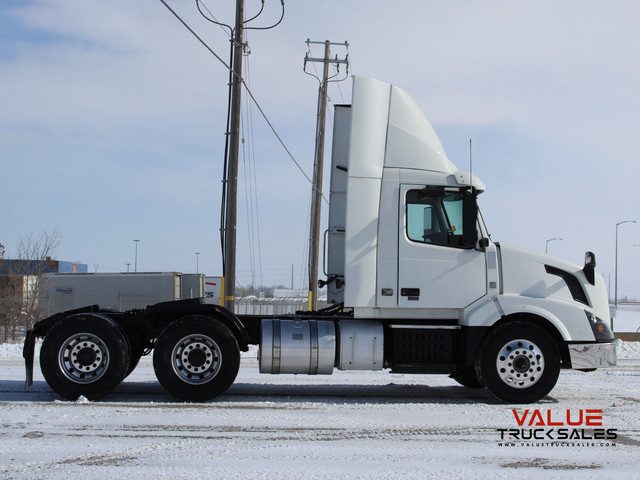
(196, 358)
(85, 354)
(518, 362)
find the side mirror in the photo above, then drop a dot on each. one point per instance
(590, 267)
(469, 219)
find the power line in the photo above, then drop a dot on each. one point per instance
(196, 35)
(253, 175)
(213, 19)
(251, 190)
(253, 98)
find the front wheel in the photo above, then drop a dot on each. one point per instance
(518, 362)
(196, 358)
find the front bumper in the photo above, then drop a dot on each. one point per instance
(592, 355)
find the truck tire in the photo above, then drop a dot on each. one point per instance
(85, 354)
(518, 362)
(196, 358)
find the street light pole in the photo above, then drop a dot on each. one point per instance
(197, 262)
(615, 292)
(546, 247)
(135, 265)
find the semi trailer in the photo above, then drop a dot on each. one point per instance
(415, 282)
(120, 291)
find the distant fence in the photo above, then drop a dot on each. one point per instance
(272, 305)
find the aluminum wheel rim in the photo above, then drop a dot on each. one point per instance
(196, 359)
(520, 364)
(83, 358)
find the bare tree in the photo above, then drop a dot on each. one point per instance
(20, 286)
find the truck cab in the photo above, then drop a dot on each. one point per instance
(407, 244)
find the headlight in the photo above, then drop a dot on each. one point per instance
(600, 329)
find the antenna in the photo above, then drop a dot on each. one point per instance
(470, 164)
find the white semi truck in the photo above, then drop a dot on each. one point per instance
(416, 282)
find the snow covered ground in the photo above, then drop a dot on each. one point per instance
(348, 425)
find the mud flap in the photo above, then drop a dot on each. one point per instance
(27, 353)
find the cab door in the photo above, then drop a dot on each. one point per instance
(438, 264)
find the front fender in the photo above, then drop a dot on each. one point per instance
(570, 320)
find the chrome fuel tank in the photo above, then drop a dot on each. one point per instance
(297, 346)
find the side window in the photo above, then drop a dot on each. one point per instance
(434, 219)
(453, 208)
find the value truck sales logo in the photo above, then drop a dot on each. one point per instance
(571, 428)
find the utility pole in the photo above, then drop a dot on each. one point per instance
(318, 162)
(232, 168)
(229, 207)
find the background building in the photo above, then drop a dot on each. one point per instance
(35, 267)
(20, 292)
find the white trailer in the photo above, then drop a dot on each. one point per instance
(417, 286)
(193, 285)
(213, 290)
(118, 291)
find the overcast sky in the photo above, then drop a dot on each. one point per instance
(112, 121)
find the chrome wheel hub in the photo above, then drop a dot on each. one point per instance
(196, 359)
(520, 363)
(83, 358)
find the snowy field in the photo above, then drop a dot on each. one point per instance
(347, 425)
